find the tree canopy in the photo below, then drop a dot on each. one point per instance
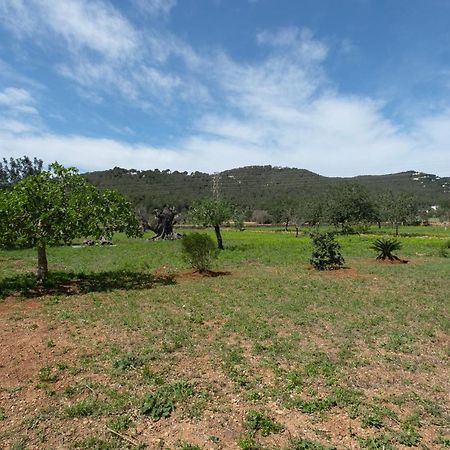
(56, 206)
(15, 170)
(211, 212)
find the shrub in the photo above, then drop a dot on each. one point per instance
(199, 250)
(444, 250)
(385, 248)
(326, 254)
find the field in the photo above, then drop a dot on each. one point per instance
(126, 348)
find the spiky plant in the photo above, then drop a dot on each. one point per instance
(385, 248)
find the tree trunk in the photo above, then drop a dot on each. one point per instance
(42, 267)
(396, 229)
(163, 228)
(296, 231)
(219, 237)
(286, 225)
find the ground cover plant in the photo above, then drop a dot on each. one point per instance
(123, 348)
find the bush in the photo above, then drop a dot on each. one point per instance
(444, 250)
(385, 248)
(199, 250)
(326, 253)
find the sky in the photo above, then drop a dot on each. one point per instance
(338, 87)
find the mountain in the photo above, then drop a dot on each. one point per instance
(259, 187)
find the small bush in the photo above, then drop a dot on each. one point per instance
(444, 250)
(199, 250)
(385, 248)
(326, 254)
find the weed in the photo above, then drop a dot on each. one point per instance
(183, 445)
(314, 405)
(258, 421)
(248, 442)
(306, 444)
(47, 375)
(380, 442)
(95, 443)
(127, 362)
(119, 423)
(83, 408)
(161, 403)
(408, 436)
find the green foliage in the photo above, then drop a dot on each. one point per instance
(306, 444)
(380, 442)
(199, 251)
(15, 170)
(385, 248)
(210, 212)
(326, 254)
(56, 206)
(258, 421)
(444, 249)
(84, 408)
(349, 206)
(162, 402)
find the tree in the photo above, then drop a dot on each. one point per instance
(163, 224)
(56, 206)
(212, 213)
(350, 205)
(16, 169)
(397, 208)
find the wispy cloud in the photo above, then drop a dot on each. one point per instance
(155, 8)
(17, 100)
(280, 109)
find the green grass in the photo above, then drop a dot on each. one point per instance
(125, 337)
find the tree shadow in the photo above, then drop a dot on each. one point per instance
(71, 283)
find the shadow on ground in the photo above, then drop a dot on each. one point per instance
(70, 283)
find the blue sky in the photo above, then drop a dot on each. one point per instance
(339, 87)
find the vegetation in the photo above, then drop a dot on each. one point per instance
(14, 170)
(275, 190)
(326, 253)
(57, 206)
(211, 212)
(385, 248)
(199, 251)
(118, 338)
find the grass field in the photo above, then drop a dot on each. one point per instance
(126, 348)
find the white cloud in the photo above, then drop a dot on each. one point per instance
(155, 8)
(83, 24)
(17, 100)
(281, 109)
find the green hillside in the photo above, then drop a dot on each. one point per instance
(259, 187)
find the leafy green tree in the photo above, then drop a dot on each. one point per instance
(350, 206)
(211, 212)
(398, 208)
(14, 170)
(56, 206)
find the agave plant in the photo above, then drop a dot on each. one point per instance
(385, 248)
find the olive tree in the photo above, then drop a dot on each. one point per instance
(212, 213)
(58, 205)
